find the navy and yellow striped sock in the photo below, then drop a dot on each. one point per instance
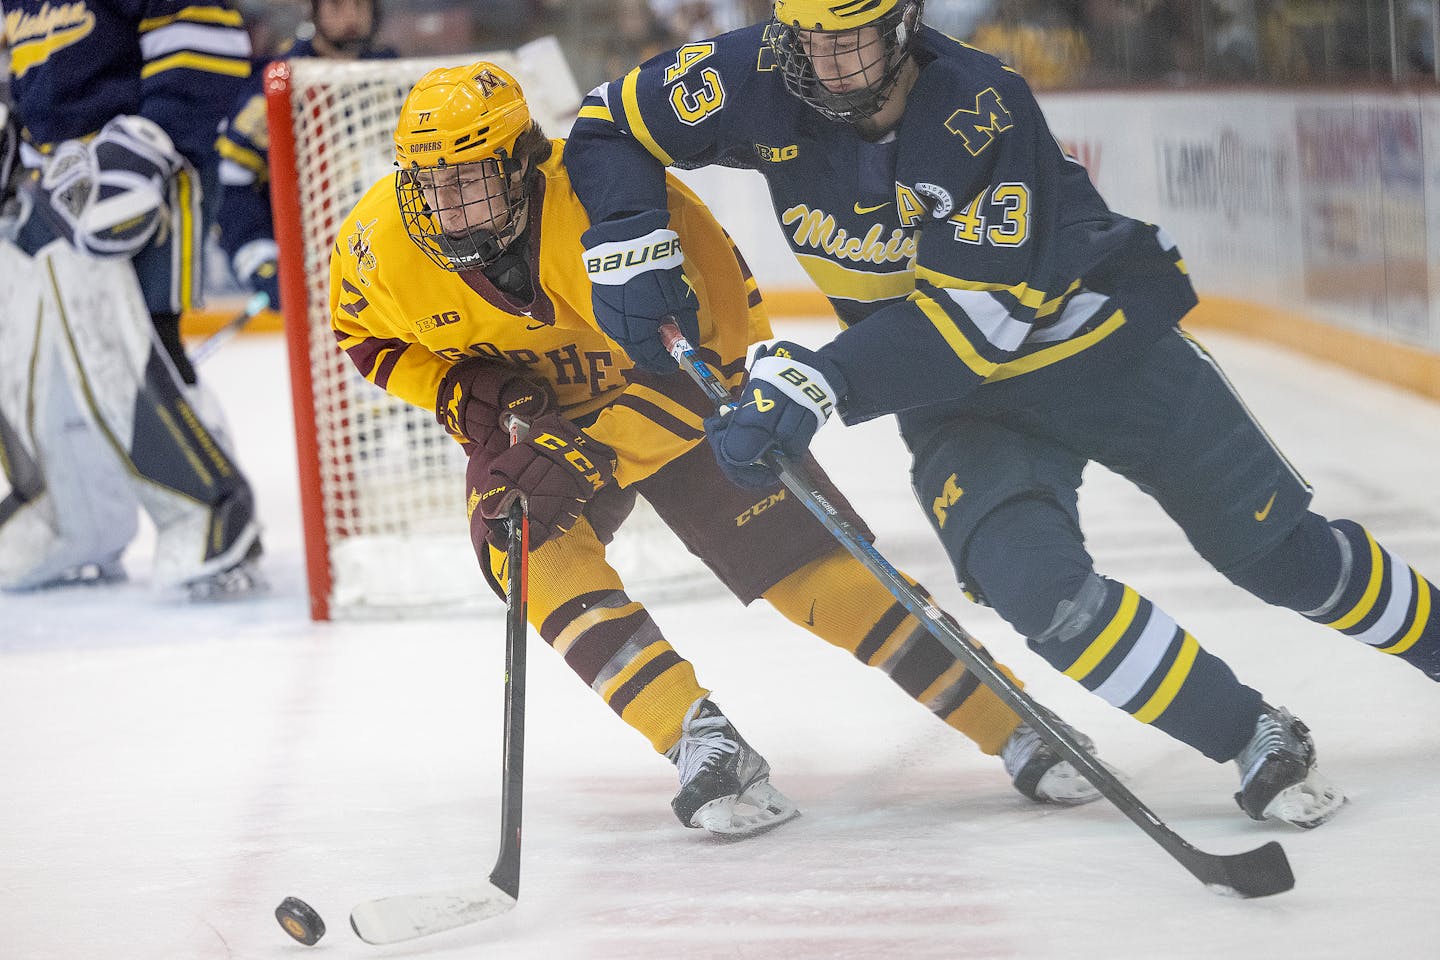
(1384, 602)
(1131, 654)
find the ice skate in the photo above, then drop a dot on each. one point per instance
(232, 583)
(724, 784)
(1278, 777)
(1038, 771)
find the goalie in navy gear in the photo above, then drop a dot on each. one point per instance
(119, 104)
(1017, 328)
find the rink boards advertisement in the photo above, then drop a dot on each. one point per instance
(1325, 205)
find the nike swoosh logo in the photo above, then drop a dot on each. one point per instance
(810, 620)
(1261, 514)
(864, 210)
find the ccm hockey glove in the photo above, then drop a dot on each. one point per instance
(789, 392)
(476, 394)
(557, 469)
(638, 282)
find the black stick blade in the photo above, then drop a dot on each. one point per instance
(1261, 872)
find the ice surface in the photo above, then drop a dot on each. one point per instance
(168, 773)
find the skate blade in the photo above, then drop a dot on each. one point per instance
(240, 582)
(759, 809)
(1064, 786)
(1306, 804)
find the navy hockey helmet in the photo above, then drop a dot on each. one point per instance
(843, 57)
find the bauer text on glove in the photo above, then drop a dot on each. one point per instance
(638, 282)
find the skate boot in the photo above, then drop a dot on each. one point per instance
(1278, 777)
(724, 784)
(1040, 773)
(235, 582)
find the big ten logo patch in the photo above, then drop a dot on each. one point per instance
(443, 319)
(755, 509)
(949, 493)
(776, 154)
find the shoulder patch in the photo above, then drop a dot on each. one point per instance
(941, 203)
(979, 127)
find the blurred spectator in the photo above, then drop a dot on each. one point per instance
(699, 19)
(1234, 40)
(959, 18)
(1144, 40)
(1042, 39)
(1419, 35)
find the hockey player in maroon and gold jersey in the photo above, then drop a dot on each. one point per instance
(457, 285)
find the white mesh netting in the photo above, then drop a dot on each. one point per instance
(391, 481)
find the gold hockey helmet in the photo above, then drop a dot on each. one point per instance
(844, 81)
(463, 143)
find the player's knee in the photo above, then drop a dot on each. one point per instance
(1027, 558)
(1301, 571)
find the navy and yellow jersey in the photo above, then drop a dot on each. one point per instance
(404, 322)
(972, 248)
(76, 65)
(244, 148)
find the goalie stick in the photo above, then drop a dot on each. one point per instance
(258, 301)
(405, 917)
(1260, 872)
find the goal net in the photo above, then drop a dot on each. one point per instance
(383, 485)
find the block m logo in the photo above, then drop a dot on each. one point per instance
(951, 492)
(979, 127)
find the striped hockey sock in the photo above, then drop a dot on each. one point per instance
(1131, 654)
(1383, 601)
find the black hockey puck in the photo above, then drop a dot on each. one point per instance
(300, 920)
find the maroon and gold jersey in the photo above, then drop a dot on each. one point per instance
(403, 322)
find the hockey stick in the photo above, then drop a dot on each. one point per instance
(1254, 873)
(258, 301)
(405, 917)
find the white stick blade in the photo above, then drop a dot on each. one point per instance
(393, 919)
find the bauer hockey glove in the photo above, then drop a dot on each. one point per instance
(638, 282)
(477, 394)
(788, 393)
(557, 469)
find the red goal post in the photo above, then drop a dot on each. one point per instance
(382, 485)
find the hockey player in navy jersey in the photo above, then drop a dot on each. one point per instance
(119, 102)
(1018, 329)
(344, 30)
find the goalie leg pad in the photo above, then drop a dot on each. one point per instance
(69, 512)
(184, 477)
